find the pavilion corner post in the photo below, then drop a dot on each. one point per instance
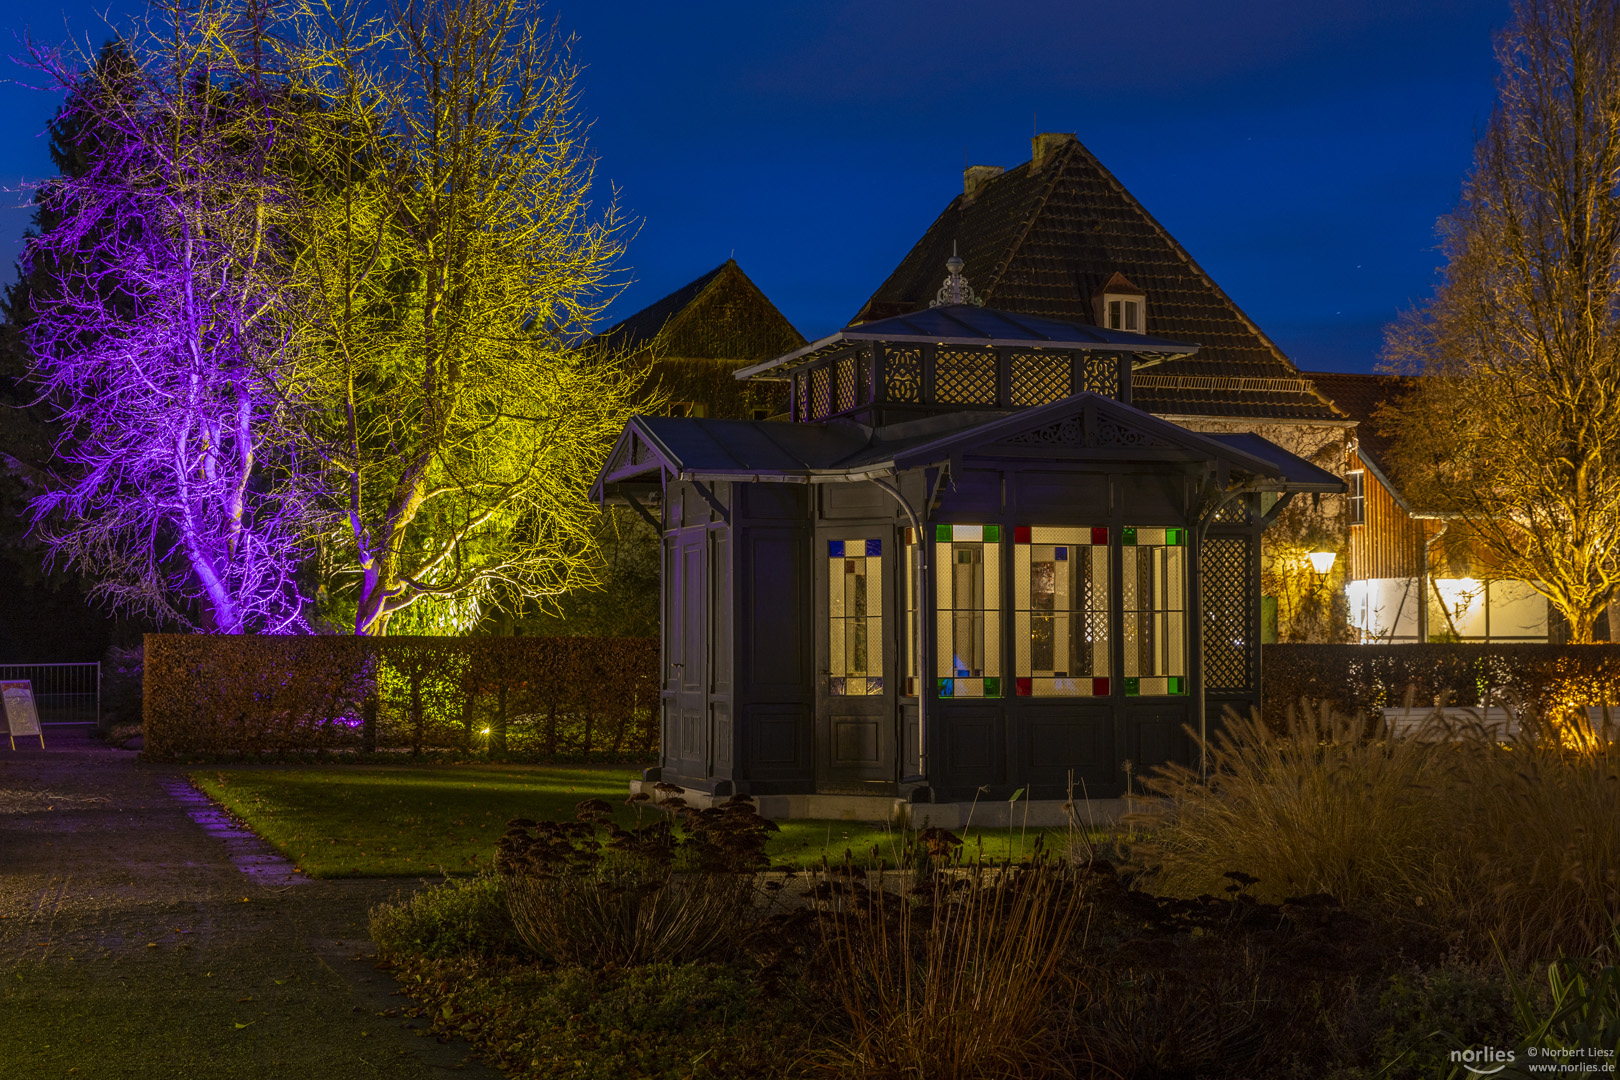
(919, 588)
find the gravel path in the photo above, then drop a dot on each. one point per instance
(142, 935)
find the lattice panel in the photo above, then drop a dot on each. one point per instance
(1038, 378)
(965, 377)
(902, 374)
(844, 385)
(820, 392)
(1101, 374)
(863, 377)
(1233, 512)
(1228, 583)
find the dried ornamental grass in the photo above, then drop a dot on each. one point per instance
(1510, 844)
(958, 982)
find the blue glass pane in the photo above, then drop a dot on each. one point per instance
(1060, 554)
(874, 547)
(945, 688)
(835, 549)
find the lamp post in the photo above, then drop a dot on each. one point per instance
(1322, 563)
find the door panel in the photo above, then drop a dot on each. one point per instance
(855, 657)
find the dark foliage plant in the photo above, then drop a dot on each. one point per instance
(591, 892)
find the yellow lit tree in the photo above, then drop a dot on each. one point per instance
(1516, 431)
(453, 262)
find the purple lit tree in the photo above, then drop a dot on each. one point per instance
(161, 340)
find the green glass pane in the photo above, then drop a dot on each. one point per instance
(992, 534)
(944, 687)
(1130, 536)
(1133, 687)
(1175, 684)
(942, 533)
(1172, 536)
(992, 687)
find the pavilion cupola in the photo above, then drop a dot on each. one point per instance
(1120, 305)
(957, 354)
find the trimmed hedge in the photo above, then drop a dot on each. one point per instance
(1553, 678)
(218, 694)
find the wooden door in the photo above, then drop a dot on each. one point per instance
(855, 691)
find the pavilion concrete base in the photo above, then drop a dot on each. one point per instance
(1043, 813)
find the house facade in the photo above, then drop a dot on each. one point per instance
(967, 564)
(1407, 577)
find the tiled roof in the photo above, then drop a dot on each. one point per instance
(1043, 241)
(720, 316)
(644, 325)
(1359, 396)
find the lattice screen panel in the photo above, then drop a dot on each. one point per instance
(902, 374)
(1038, 378)
(1228, 583)
(820, 392)
(844, 388)
(965, 377)
(1233, 512)
(1101, 374)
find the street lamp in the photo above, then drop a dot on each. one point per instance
(1322, 561)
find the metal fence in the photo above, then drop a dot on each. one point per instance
(63, 693)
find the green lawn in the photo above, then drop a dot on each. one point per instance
(427, 820)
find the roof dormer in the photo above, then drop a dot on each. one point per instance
(1119, 305)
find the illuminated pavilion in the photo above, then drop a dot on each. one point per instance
(965, 564)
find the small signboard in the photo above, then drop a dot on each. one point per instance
(21, 716)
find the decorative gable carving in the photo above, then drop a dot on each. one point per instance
(1073, 432)
(1112, 433)
(1070, 431)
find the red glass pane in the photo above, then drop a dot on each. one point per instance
(1026, 687)
(1020, 534)
(1099, 536)
(1099, 687)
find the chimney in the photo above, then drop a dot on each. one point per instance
(974, 177)
(1045, 146)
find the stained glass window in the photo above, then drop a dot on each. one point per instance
(855, 618)
(967, 597)
(1155, 606)
(1060, 596)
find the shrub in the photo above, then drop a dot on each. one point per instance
(463, 916)
(961, 981)
(221, 694)
(1368, 678)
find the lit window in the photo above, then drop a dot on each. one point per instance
(967, 583)
(1060, 583)
(855, 618)
(1357, 497)
(1155, 605)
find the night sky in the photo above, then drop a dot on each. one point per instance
(1300, 151)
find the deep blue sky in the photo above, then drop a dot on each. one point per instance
(1300, 151)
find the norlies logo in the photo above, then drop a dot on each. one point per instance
(1484, 1061)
